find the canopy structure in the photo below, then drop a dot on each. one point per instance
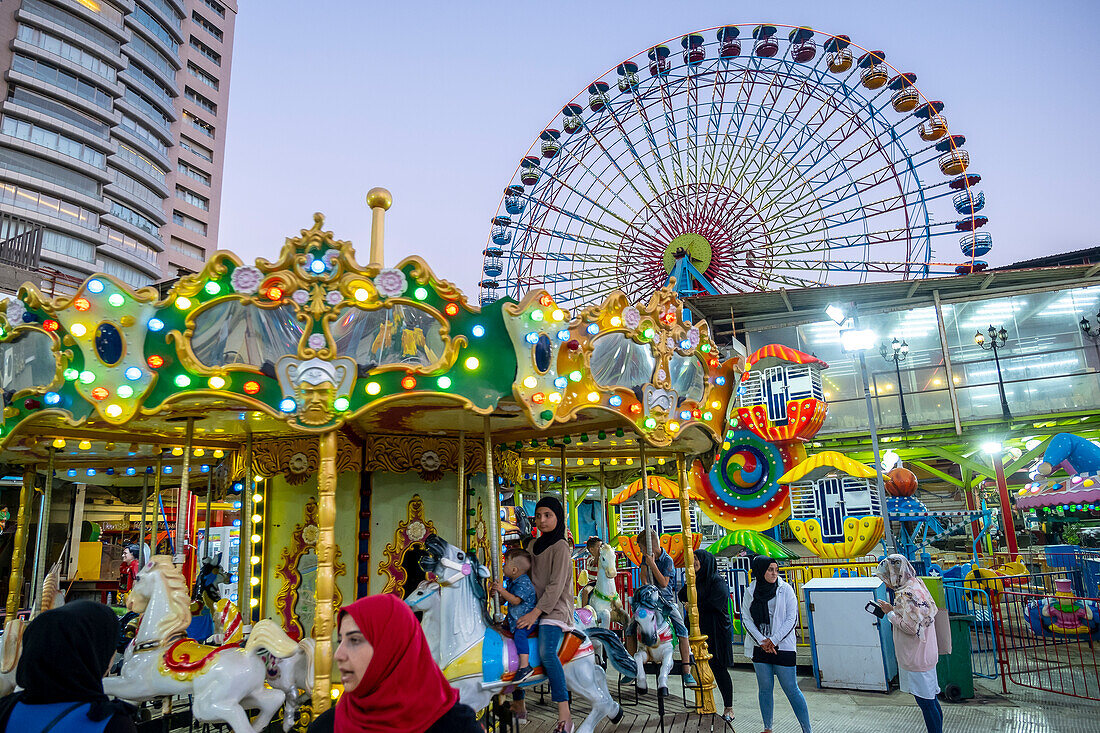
(316, 367)
(657, 485)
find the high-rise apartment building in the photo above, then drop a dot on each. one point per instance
(112, 133)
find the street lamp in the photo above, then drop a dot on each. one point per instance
(995, 451)
(1093, 334)
(897, 353)
(853, 339)
(994, 340)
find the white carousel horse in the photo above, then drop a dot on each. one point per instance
(223, 681)
(474, 656)
(654, 634)
(294, 676)
(604, 598)
(11, 646)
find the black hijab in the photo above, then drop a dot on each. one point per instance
(66, 652)
(546, 539)
(763, 592)
(712, 590)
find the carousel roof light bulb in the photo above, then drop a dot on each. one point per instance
(373, 388)
(85, 445)
(183, 303)
(219, 453)
(113, 410)
(216, 382)
(616, 321)
(558, 314)
(253, 602)
(78, 329)
(255, 538)
(630, 461)
(478, 331)
(58, 442)
(530, 382)
(256, 519)
(255, 560)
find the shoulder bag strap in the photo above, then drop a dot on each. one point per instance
(61, 715)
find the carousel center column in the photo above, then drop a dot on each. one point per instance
(15, 584)
(704, 693)
(326, 555)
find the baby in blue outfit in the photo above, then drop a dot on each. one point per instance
(519, 592)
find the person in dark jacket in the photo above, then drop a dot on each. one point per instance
(391, 683)
(66, 652)
(713, 596)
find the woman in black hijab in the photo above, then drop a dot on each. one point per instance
(769, 615)
(66, 652)
(713, 596)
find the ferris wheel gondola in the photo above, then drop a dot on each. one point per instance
(792, 160)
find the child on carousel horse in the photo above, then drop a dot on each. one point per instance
(519, 592)
(592, 567)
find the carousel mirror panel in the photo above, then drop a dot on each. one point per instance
(398, 335)
(618, 361)
(234, 332)
(295, 602)
(27, 361)
(688, 376)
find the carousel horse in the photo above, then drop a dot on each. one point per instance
(223, 681)
(294, 676)
(654, 634)
(11, 646)
(217, 620)
(478, 660)
(604, 598)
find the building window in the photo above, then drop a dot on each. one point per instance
(130, 245)
(195, 149)
(188, 223)
(137, 190)
(71, 22)
(125, 273)
(31, 200)
(63, 244)
(152, 55)
(167, 11)
(186, 194)
(59, 111)
(66, 50)
(215, 6)
(50, 74)
(206, 25)
(54, 141)
(201, 75)
(200, 100)
(160, 91)
(35, 166)
(185, 248)
(209, 53)
(140, 162)
(128, 215)
(193, 172)
(141, 15)
(145, 133)
(154, 115)
(204, 127)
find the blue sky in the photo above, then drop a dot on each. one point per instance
(438, 101)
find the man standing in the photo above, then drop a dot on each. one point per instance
(659, 569)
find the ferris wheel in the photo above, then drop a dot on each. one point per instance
(738, 159)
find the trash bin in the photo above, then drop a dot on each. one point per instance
(955, 672)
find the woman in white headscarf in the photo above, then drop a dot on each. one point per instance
(913, 616)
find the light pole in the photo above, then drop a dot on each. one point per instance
(994, 450)
(897, 353)
(994, 340)
(853, 339)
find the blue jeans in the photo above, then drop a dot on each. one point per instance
(933, 714)
(765, 674)
(549, 640)
(520, 637)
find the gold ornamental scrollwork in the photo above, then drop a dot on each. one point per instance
(302, 540)
(409, 534)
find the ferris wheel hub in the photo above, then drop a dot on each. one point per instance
(691, 245)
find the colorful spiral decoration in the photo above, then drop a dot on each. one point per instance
(742, 489)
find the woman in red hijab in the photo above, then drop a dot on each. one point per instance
(391, 682)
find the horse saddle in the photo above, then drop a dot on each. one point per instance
(188, 657)
(499, 659)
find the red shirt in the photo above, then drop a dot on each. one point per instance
(129, 574)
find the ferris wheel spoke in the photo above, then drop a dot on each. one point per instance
(633, 150)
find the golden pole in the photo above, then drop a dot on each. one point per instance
(206, 517)
(183, 498)
(704, 694)
(649, 549)
(494, 511)
(326, 556)
(379, 200)
(460, 540)
(244, 547)
(19, 549)
(43, 535)
(142, 556)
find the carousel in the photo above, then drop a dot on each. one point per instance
(354, 429)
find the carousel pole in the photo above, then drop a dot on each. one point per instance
(183, 498)
(612, 519)
(571, 499)
(19, 549)
(645, 505)
(538, 485)
(494, 512)
(326, 555)
(460, 541)
(704, 693)
(206, 517)
(142, 559)
(157, 490)
(244, 547)
(43, 535)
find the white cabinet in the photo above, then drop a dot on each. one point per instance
(852, 649)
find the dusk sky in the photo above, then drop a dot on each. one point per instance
(438, 101)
